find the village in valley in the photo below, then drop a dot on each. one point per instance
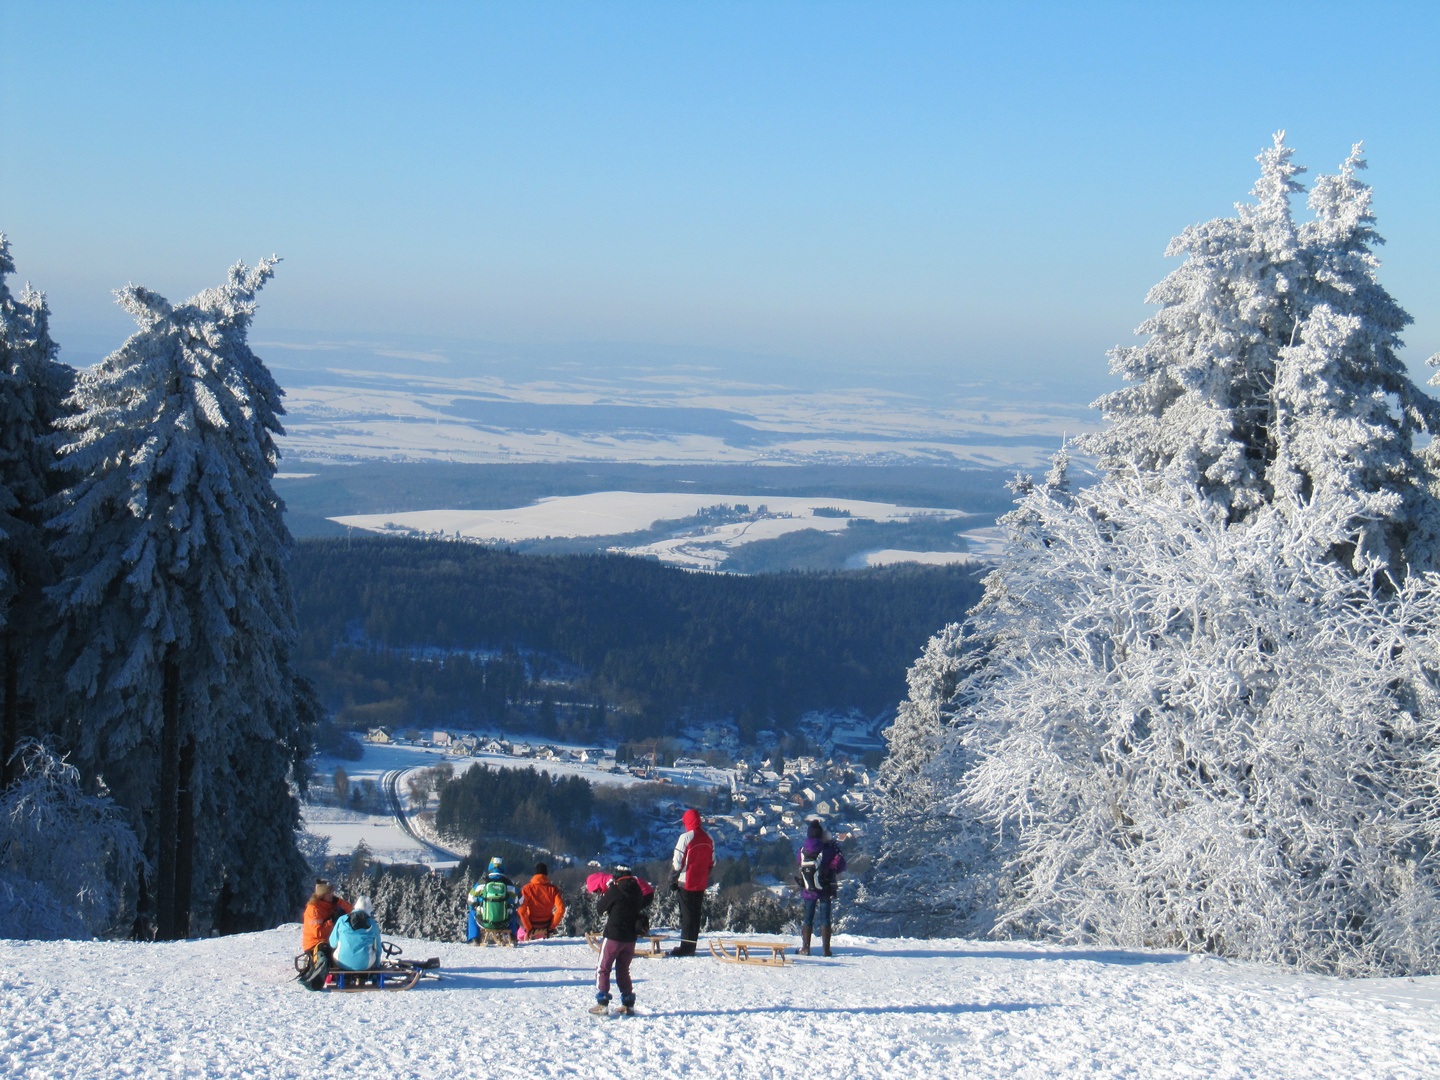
(769, 800)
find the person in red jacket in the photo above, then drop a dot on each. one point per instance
(692, 862)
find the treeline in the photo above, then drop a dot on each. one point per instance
(423, 631)
(520, 804)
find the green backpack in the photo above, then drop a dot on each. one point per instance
(494, 910)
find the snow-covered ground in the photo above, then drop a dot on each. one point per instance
(347, 402)
(932, 1010)
(609, 513)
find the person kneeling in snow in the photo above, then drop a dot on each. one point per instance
(356, 939)
(623, 905)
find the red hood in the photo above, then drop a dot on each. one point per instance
(692, 820)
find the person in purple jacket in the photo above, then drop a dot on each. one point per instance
(821, 862)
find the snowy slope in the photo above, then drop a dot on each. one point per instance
(933, 1009)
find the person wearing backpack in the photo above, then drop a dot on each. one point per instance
(691, 864)
(821, 863)
(541, 905)
(623, 904)
(356, 939)
(492, 905)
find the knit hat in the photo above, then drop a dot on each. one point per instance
(541, 869)
(622, 869)
(816, 831)
(497, 865)
(363, 904)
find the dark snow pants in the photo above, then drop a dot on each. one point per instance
(691, 902)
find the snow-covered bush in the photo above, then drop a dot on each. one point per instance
(64, 855)
(1210, 735)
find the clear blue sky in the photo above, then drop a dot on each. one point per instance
(963, 185)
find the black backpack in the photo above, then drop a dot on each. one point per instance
(314, 968)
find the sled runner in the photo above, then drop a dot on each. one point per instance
(656, 949)
(392, 974)
(735, 951)
(495, 937)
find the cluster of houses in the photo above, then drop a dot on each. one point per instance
(466, 744)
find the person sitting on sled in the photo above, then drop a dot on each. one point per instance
(623, 904)
(320, 915)
(356, 939)
(492, 904)
(541, 905)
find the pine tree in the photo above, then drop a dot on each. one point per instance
(178, 616)
(33, 383)
(1268, 326)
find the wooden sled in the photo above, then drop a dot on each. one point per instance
(735, 951)
(390, 976)
(496, 937)
(654, 951)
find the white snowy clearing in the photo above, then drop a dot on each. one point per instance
(612, 513)
(228, 1007)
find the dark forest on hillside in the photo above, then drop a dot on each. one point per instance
(429, 632)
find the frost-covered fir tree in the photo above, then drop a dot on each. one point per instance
(179, 620)
(934, 867)
(1270, 328)
(65, 856)
(33, 383)
(1215, 736)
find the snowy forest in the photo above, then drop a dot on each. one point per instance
(1197, 705)
(154, 727)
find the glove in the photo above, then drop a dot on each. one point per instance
(674, 882)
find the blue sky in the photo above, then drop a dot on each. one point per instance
(949, 186)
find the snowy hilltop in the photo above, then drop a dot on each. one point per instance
(229, 1007)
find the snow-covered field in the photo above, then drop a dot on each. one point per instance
(608, 513)
(349, 401)
(932, 1010)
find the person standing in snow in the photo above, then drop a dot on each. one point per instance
(821, 863)
(356, 939)
(691, 864)
(541, 905)
(320, 915)
(622, 903)
(492, 904)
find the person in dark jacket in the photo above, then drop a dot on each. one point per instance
(821, 862)
(621, 904)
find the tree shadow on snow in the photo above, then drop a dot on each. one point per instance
(867, 1010)
(1122, 957)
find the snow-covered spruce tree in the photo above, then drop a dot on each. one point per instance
(934, 869)
(1215, 736)
(33, 383)
(64, 856)
(1270, 329)
(178, 617)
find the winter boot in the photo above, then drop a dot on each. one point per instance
(602, 1005)
(825, 942)
(627, 1005)
(805, 941)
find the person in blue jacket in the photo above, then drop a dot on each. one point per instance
(356, 939)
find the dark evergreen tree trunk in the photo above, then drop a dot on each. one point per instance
(10, 736)
(167, 802)
(184, 837)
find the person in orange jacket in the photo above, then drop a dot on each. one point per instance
(541, 905)
(320, 914)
